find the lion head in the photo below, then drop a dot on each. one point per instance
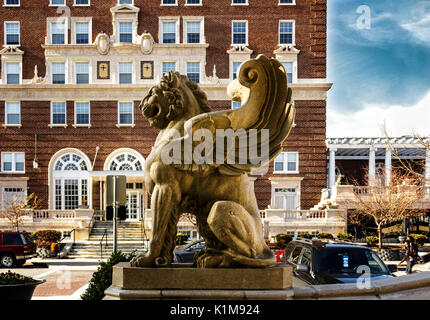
(166, 101)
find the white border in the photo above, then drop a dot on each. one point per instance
(247, 33)
(5, 34)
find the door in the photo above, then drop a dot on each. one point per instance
(134, 205)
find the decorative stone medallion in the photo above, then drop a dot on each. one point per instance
(146, 43)
(103, 43)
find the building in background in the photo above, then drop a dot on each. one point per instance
(74, 71)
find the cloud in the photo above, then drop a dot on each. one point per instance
(419, 29)
(398, 119)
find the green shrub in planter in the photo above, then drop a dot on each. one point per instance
(283, 238)
(420, 239)
(325, 236)
(345, 236)
(102, 278)
(305, 235)
(44, 238)
(181, 239)
(372, 241)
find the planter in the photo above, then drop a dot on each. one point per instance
(18, 291)
(388, 254)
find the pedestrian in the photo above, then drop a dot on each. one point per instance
(411, 254)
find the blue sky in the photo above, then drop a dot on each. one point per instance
(379, 63)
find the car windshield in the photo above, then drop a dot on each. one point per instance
(348, 260)
(196, 246)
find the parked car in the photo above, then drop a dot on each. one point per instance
(186, 253)
(319, 262)
(16, 248)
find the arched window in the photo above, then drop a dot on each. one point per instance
(71, 182)
(125, 162)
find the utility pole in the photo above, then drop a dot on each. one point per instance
(115, 213)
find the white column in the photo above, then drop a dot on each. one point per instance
(372, 166)
(332, 169)
(387, 167)
(427, 169)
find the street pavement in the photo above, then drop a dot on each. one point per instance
(66, 279)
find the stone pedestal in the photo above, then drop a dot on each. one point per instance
(184, 282)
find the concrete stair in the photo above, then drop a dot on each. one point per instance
(131, 238)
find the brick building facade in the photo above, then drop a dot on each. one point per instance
(72, 78)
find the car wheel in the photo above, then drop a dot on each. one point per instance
(7, 261)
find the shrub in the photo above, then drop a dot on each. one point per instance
(305, 235)
(55, 247)
(44, 238)
(102, 278)
(325, 236)
(283, 238)
(181, 239)
(420, 239)
(9, 278)
(345, 236)
(372, 241)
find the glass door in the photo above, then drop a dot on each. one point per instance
(133, 205)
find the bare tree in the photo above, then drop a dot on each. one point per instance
(387, 200)
(18, 207)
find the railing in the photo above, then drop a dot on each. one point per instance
(104, 237)
(54, 214)
(294, 215)
(74, 236)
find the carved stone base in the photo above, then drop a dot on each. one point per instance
(184, 282)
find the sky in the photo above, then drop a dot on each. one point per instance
(379, 64)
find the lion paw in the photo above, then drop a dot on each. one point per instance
(142, 261)
(213, 259)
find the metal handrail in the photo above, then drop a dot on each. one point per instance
(101, 243)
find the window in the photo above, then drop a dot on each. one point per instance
(70, 193)
(286, 32)
(82, 113)
(125, 113)
(236, 66)
(193, 2)
(236, 105)
(169, 32)
(286, 198)
(193, 31)
(125, 72)
(125, 2)
(11, 3)
(288, 66)
(57, 3)
(240, 2)
(169, 2)
(193, 71)
(58, 73)
(13, 113)
(240, 33)
(58, 113)
(13, 162)
(12, 33)
(13, 239)
(82, 30)
(287, 162)
(284, 2)
(83, 73)
(58, 31)
(82, 2)
(294, 257)
(126, 32)
(13, 74)
(168, 66)
(126, 162)
(13, 196)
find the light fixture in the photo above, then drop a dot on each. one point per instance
(35, 160)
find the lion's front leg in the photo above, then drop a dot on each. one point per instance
(164, 203)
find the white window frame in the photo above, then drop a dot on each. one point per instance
(132, 3)
(132, 115)
(11, 5)
(239, 4)
(50, 21)
(168, 61)
(286, 171)
(232, 68)
(6, 124)
(247, 33)
(169, 4)
(200, 69)
(52, 73)
(76, 73)
(6, 74)
(19, 33)
(81, 5)
(52, 115)
(186, 20)
(193, 4)
(76, 20)
(133, 72)
(57, 5)
(160, 29)
(132, 22)
(13, 162)
(286, 183)
(294, 33)
(76, 124)
(287, 4)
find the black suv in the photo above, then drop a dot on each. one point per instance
(318, 262)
